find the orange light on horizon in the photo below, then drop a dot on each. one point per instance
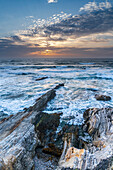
(47, 53)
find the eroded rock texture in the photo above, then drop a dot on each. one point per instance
(99, 153)
(27, 137)
(18, 138)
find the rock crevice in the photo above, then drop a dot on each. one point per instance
(98, 153)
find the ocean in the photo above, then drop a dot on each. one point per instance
(82, 78)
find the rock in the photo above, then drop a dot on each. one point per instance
(46, 126)
(102, 97)
(73, 158)
(98, 121)
(45, 161)
(67, 169)
(17, 147)
(42, 101)
(18, 138)
(89, 146)
(59, 85)
(88, 113)
(6, 118)
(52, 149)
(3, 115)
(91, 89)
(67, 131)
(99, 152)
(41, 78)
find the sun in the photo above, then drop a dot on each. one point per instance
(47, 51)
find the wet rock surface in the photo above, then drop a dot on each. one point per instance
(102, 97)
(97, 153)
(31, 139)
(3, 116)
(44, 161)
(98, 122)
(59, 85)
(18, 139)
(46, 127)
(41, 78)
(52, 149)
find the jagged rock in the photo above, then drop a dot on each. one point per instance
(99, 153)
(18, 138)
(102, 97)
(41, 101)
(20, 135)
(46, 126)
(73, 156)
(98, 121)
(67, 132)
(45, 161)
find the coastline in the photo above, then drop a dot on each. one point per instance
(28, 137)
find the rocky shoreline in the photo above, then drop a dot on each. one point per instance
(97, 153)
(29, 140)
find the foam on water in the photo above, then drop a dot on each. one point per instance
(19, 88)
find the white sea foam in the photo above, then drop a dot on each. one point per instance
(19, 88)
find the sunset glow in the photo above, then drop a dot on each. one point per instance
(87, 32)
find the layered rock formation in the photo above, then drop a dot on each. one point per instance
(29, 140)
(18, 138)
(99, 153)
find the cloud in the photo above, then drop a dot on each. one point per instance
(89, 7)
(29, 17)
(76, 26)
(9, 49)
(16, 38)
(65, 25)
(52, 1)
(84, 35)
(93, 6)
(56, 18)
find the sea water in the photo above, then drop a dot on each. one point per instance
(82, 78)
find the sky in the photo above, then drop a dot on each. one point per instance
(56, 28)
